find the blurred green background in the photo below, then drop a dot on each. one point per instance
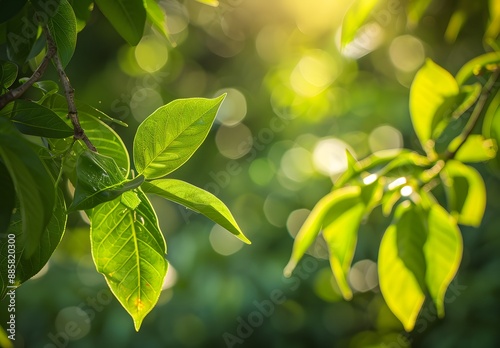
(294, 104)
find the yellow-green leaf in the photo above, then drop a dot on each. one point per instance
(443, 252)
(340, 227)
(355, 17)
(401, 264)
(476, 149)
(431, 102)
(466, 193)
(311, 227)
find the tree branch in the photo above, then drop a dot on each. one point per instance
(69, 92)
(476, 113)
(15, 93)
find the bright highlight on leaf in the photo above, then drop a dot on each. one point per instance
(129, 250)
(168, 137)
(431, 102)
(401, 264)
(198, 200)
(355, 17)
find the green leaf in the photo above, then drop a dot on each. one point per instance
(431, 102)
(34, 119)
(401, 264)
(8, 74)
(311, 227)
(416, 10)
(355, 17)
(476, 65)
(156, 15)
(168, 137)
(47, 87)
(21, 36)
(99, 180)
(28, 266)
(443, 252)
(33, 184)
(198, 200)
(340, 227)
(82, 9)
(130, 199)
(476, 149)
(10, 8)
(128, 17)
(128, 248)
(466, 193)
(62, 26)
(8, 200)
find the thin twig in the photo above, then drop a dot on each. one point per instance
(69, 92)
(15, 93)
(476, 113)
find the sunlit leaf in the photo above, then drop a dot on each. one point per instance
(468, 96)
(431, 102)
(443, 252)
(34, 186)
(128, 248)
(476, 65)
(355, 17)
(466, 193)
(401, 264)
(62, 26)
(156, 15)
(128, 17)
(311, 227)
(340, 227)
(168, 137)
(99, 180)
(34, 119)
(197, 200)
(476, 149)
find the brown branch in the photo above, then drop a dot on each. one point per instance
(69, 92)
(15, 93)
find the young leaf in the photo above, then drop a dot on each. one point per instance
(34, 119)
(340, 227)
(34, 186)
(62, 26)
(443, 252)
(475, 65)
(8, 74)
(431, 102)
(401, 264)
(128, 17)
(476, 149)
(156, 15)
(311, 227)
(196, 199)
(128, 248)
(355, 17)
(468, 96)
(28, 266)
(168, 137)
(99, 180)
(466, 193)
